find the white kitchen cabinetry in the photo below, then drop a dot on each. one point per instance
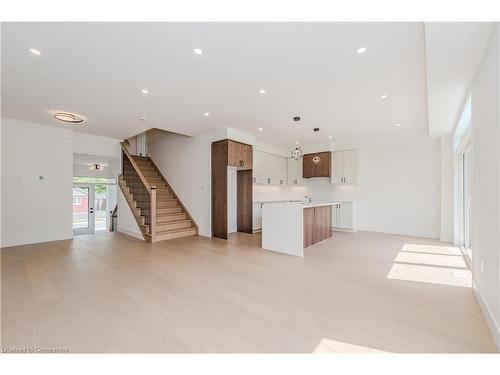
(257, 217)
(345, 167)
(294, 172)
(269, 169)
(343, 216)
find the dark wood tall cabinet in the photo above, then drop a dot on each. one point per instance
(235, 154)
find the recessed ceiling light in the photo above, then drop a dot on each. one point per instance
(198, 51)
(260, 129)
(397, 124)
(35, 51)
(262, 91)
(297, 143)
(361, 50)
(383, 97)
(143, 118)
(206, 114)
(330, 137)
(144, 91)
(68, 117)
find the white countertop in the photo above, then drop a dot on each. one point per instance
(302, 202)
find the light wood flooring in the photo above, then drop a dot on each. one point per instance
(352, 293)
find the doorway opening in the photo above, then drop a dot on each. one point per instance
(94, 201)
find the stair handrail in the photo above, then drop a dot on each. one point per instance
(151, 190)
(136, 167)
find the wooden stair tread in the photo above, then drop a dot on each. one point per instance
(176, 230)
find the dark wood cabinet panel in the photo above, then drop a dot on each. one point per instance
(240, 155)
(317, 224)
(322, 223)
(244, 205)
(308, 226)
(319, 169)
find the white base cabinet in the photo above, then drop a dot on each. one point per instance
(257, 217)
(343, 216)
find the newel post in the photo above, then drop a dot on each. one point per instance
(153, 214)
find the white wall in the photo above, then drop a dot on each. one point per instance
(485, 213)
(95, 145)
(447, 191)
(399, 187)
(126, 221)
(33, 209)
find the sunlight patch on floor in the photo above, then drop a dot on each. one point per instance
(431, 264)
(333, 346)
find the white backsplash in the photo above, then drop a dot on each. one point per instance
(320, 189)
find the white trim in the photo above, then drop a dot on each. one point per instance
(204, 232)
(130, 233)
(490, 318)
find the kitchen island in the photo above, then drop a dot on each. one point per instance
(290, 227)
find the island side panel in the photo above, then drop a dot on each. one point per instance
(282, 228)
(308, 226)
(322, 223)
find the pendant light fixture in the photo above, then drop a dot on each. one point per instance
(297, 153)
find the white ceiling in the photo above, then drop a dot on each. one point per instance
(82, 162)
(453, 54)
(308, 69)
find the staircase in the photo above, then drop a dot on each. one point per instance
(157, 210)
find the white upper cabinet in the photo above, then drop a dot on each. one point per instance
(269, 169)
(294, 172)
(345, 167)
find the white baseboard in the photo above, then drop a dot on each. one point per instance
(350, 230)
(130, 233)
(490, 318)
(204, 232)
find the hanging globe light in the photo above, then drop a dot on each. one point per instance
(297, 153)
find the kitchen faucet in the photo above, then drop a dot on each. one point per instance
(308, 197)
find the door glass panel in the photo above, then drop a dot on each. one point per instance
(100, 206)
(80, 207)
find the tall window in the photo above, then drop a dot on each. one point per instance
(466, 162)
(463, 151)
(464, 124)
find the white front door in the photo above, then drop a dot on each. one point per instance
(83, 209)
